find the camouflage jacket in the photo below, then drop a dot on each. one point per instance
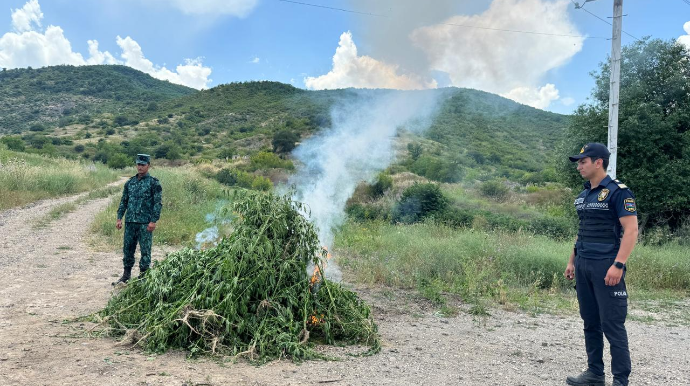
(141, 199)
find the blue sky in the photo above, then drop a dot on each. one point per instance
(405, 44)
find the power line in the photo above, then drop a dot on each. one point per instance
(686, 2)
(450, 24)
(582, 7)
(332, 8)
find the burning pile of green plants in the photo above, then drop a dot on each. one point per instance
(249, 296)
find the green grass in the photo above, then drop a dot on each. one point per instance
(187, 199)
(67, 207)
(26, 178)
(54, 214)
(512, 269)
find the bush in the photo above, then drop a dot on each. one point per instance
(243, 179)
(457, 218)
(436, 169)
(226, 177)
(363, 212)
(496, 190)
(118, 161)
(415, 150)
(418, 202)
(122, 120)
(262, 184)
(13, 143)
(383, 183)
(284, 141)
(169, 151)
(37, 127)
(268, 160)
(559, 228)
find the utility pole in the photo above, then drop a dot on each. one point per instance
(615, 84)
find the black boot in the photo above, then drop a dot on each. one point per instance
(587, 378)
(126, 275)
(142, 273)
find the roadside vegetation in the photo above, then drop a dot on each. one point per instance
(188, 199)
(511, 269)
(26, 178)
(61, 210)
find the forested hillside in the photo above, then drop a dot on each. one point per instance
(38, 99)
(107, 113)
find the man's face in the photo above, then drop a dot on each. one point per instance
(587, 167)
(142, 169)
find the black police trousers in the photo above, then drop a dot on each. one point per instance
(603, 310)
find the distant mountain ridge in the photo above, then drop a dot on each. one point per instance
(473, 128)
(45, 95)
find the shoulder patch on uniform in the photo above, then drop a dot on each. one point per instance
(629, 204)
(621, 185)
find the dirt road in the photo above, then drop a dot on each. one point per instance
(52, 275)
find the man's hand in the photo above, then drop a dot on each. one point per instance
(569, 271)
(151, 227)
(613, 276)
(118, 224)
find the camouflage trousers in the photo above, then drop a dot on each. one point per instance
(136, 233)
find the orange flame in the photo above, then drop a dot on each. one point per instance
(315, 278)
(314, 321)
(316, 275)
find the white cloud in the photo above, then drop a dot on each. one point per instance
(239, 8)
(37, 49)
(256, 60)
(23, 18)
(29, 47)
(98, 57)
(567, 101)
(540, 98)
(351, 70)
(685, 39)
(192, 73)
(503, 62)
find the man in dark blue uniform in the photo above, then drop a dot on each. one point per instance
(605, 239)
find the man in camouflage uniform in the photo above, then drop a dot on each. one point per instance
(141, 200)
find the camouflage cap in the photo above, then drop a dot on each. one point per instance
(143, 159)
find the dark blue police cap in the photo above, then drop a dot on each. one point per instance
(592, 150)
(143, 159)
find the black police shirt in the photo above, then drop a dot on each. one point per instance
(599, 210)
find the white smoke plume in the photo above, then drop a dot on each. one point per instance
(357, 146)
(220, 222)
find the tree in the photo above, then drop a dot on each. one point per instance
(419, 201)
(37, 127)
(653, 137)
(168, 150)
(121, 120)
(13, 143)
(415, 150)
(118, 161)
(284, 141)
